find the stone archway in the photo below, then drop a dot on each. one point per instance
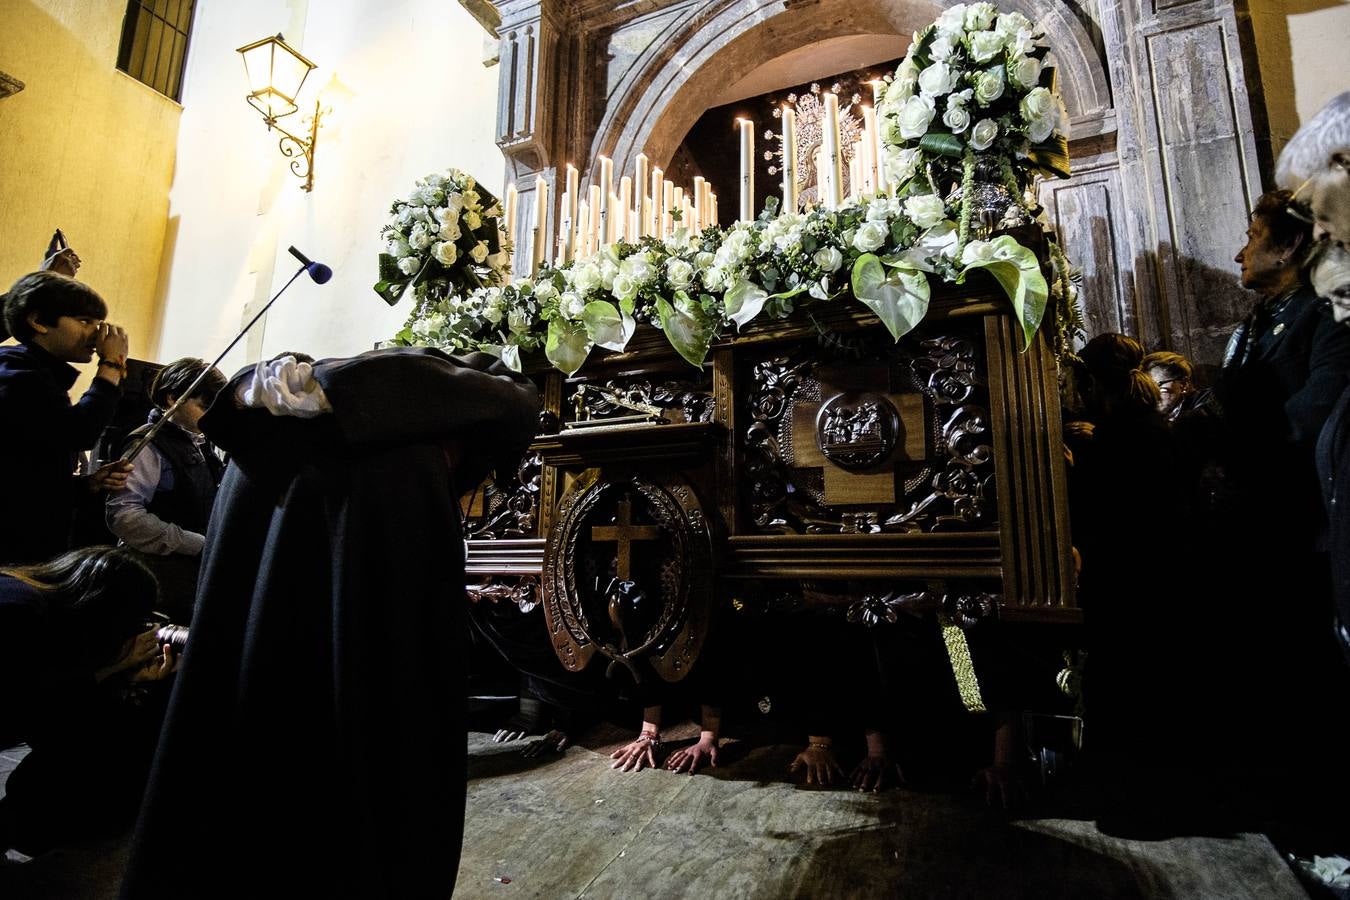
(694, 56)
(1165, 151)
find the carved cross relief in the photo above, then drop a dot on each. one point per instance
(624, 533)
(860, 417)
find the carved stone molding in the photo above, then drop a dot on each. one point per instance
(628, 575)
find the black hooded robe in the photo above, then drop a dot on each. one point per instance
(315, 743)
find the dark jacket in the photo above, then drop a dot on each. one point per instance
(196, 476)
(1287, 365)
(1333, 470)
(328, 631)
(40, 434)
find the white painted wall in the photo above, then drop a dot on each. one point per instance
(412, 97)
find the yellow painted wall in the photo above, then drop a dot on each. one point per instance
(85, 148)
(1301, 47)
(409, 96)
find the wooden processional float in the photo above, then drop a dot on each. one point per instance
(812, 461)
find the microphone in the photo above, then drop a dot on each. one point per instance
(317, 271)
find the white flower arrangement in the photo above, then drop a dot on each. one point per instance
(444, 241)
(973, 81)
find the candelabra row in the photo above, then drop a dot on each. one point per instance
(647, 204)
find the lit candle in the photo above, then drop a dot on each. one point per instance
(667, 203)
(699, 195)
(640, 185)
(540, 222)
(834, 157)
(878, 148)
(582, 248)
(869, 151)
(594, 235)
(570, 205)
(789, 147)
(658, 192)
(622, 228)
(511, 199)
(747, 169)
(606, 191)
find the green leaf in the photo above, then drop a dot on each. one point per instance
(567, 346)
(942, 143)
(1018, 272)
(1052, 155)
(899, 298)
(606, 325)
(689, 336)
(389, 270)
(511, 356)
(744, 301)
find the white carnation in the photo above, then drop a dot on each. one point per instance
(901, 164)
(985, 45)
(584, 278)
(942, 46)
(952, 19)
(409, 265)
(571, 305)
(1012, 23)
(937, 79)
(979, 16)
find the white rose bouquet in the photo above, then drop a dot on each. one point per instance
(444, 241)
(973, 81)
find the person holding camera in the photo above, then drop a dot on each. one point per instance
(57, 321)
(163, 510)
(73, 639)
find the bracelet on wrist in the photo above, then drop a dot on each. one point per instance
(817, 745)
(119, 367)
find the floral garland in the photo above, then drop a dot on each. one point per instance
(882, 250)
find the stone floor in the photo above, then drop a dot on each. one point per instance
(568, 826)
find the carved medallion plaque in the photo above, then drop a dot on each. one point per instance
(857, 431)
(628, 575)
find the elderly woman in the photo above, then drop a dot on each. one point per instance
(1315, 167)
(1331, 279)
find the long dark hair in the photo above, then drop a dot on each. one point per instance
(1120, 384)
(95, 599)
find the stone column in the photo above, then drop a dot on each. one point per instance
(527, 113)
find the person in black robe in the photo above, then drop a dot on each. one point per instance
(314, 744)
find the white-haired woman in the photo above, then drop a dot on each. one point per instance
(1331, 279)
